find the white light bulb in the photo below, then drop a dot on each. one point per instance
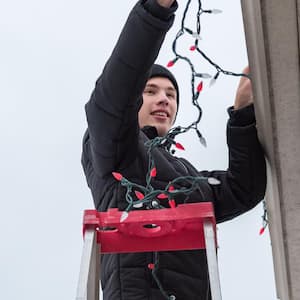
(138, 205)
(212, 82)
(216, 11)
(196, 36)
(124, 216)
(213, 181)
(154, 203)
(203, 141)
(203, 75)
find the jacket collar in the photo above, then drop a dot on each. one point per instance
(150, 132)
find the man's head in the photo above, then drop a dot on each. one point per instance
(160, 100)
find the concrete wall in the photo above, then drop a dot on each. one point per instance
(272, 36)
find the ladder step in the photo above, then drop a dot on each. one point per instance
(181, 227)
(186, 227)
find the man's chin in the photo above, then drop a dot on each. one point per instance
(161, 130)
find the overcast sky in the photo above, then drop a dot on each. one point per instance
(51, 54)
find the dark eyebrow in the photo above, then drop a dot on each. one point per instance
(151, 85)
(170, 88)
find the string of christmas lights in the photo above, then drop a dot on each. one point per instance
(154, 268)
(138, 196)
(195, 34)
(141, 197)
(264, 217)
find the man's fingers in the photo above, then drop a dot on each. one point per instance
(246, 70)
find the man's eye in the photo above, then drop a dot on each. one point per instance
(151, 92)
(171, 95)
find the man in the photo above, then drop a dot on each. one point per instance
(134, 101)
(159, 104)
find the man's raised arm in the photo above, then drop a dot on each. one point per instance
(112, 110)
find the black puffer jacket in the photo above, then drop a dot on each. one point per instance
(113, 142)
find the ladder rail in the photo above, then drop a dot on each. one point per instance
(88, 287)
(212, 263)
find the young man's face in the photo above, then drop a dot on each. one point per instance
(159, 105)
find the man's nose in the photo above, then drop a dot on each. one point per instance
(163, 98)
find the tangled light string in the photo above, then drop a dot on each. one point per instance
(195, 74)
(140, 197)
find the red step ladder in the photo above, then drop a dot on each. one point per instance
(186, 227)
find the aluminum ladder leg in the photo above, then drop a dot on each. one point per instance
(212, 263)
(88, 287)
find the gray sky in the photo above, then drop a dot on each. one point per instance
(51, 54)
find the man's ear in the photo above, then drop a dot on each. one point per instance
(140, 102)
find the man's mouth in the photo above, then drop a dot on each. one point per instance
(160, 113)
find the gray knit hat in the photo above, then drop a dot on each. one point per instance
(160, 71)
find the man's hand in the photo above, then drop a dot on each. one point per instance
(244, 94)
(165, 3)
